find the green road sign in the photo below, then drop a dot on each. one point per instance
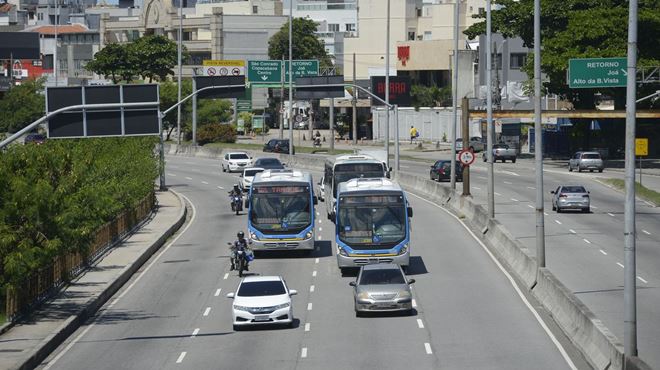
(264, 71)
(244, 105)
(257, 122)
(301, 68)
(592, 73)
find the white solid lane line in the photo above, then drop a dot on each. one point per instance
(307, 327)
(587, 241)
(195, 332)
(226, 276)
(309, 306)
(217, 292)
(603, 252)
(205, 183)
(558, 222)
(620, 264)
(420, 323)
(427, 346)
(207, 311)
(303, 353)
(181, 357)
(188, 178)
(646, 232)
(642, 280)
(513, 283)
(311, 288)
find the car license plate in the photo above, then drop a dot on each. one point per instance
(261, 318)
(373, 260)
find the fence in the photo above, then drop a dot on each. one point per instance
(48, 280)
(433, 124)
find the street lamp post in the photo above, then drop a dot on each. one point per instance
(538, 143)
(291, 77)
(452, 130)
(178, 109)
(489, 114)
(387, 86)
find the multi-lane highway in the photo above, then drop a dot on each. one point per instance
(469, 314)
(585, 251)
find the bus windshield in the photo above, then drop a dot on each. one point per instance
(280, 209)
(371, 221)
(347, 171)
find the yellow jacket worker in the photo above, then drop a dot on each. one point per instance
(413, 134)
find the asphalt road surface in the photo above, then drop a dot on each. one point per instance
(585, 251)
(173, 313)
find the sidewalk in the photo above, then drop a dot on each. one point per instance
(27, 343)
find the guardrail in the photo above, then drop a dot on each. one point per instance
(44, 283)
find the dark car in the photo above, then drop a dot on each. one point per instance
(278, 146)
(269, 163)
(441, 170)
(35, 139)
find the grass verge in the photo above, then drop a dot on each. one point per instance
(640, 191)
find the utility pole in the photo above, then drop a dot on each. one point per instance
(57, 21)
(194, 113)
(538, 142)
(281, 130)
(630, 263)
(489, 114)
(354, 101)
(387, 86)
(290, 77)
(178, 108)
(454, 88)
(332, 125)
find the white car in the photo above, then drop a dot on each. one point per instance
(260, 300)
(235, 161)
(247, 176)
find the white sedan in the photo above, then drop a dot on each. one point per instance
(235, 161)
(247, 176)
(262, 300)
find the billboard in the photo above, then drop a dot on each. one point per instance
(399, 90)
(226, 93)
(320, 91)
(19, 45)
(98, 122)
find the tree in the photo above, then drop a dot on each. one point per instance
(214, 111)
(423, 96)
(155, 56)
(305, 43)
(168, 97)
(116, 61)
(578, 29)
(22, 105)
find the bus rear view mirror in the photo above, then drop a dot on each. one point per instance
(410, 212)
(247, 204)
(316, 200)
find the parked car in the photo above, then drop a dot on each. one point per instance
(262, 300)
(235, 161)
(321, 184)
(502, 152)
(34, 139)
(475, 145)
(382, 287)
(441, 170)
(278, 146)
(269, 163)
(570, 197)
(583, 161)
(247, 176)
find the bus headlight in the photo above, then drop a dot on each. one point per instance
(342, 251)
(253, 236)
(308, 235)
(403, 250)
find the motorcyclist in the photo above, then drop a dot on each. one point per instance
(317, 138)
(236, 191)
(241, 244)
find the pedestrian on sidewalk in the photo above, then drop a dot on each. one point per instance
(413, 134)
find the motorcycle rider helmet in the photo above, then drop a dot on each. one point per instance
(240, 235)
(236, 187)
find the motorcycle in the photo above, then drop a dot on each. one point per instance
(236, 203)
(317, 142)
(241, 258)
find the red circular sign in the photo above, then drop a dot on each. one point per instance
(466, 157)
(211, 71)
(236, 72)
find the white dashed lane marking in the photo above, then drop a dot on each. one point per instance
(226, 276)
(314, 273)
(646, 232)
(642, 280)
(217, 292)
(496, 193)
(427, 346)
(303, 353)
(508, 183)
(558, 222)
(572, 231)
(171, 174)
(316, 260)
(320, 229)
(220, 187)
(207, 311)
(475, 187)
(587, 241)
(309, 306)
(620, 264)
(603, 252)
(515, 200)
(307, 327)
(195, 332)
(311, 288)
(205, 183)
(420, 323)
(188, 178)
(612, 215)
(531, 187)
(530, 206)
(181, 357)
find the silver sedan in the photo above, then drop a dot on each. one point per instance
(570, 197)
(382, 288)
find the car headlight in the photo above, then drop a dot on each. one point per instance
(253, 236)
(363, 295)
(308, 235)
(283, 305)
(342, 251)
(403, 250)
(404, 294)
(241, 308)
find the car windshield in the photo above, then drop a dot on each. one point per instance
(261, 288)
(280, 209)
(250, 173)
(573, 189)
(239, 156)
(372, 221)
(381, 277)
(591, 156)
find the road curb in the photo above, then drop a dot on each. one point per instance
(70, 325)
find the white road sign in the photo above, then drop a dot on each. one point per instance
(224, 67)
(466, 157)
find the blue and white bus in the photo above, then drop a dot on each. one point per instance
(372, 224)
(281, 210)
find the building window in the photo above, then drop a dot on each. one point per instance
(255, 9)
(482, 11)
(411, 35)
(518, 60)
(350, 27)
(333, 27)
(427, 35)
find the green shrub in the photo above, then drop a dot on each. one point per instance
(216, 133)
